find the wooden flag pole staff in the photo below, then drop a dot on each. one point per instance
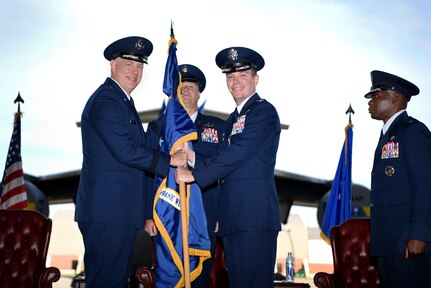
(185, 234)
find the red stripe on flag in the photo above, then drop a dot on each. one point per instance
(12, 176)
(12, 193)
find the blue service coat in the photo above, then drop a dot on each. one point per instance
(117, 153)
(401, 187)
(245, 166)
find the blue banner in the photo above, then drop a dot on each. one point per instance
(338, 208)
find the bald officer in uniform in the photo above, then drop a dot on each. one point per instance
(400, 186)
(210, 133)
(110, 201)
(248, 218)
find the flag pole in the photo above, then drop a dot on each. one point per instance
(338, 208)
(13, 194)
(185, 234)
(350, 125)
(184, 223)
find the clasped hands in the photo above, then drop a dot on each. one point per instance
(183, 153)
(179, 159)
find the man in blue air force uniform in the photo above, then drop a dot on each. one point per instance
(249, 219)
(400, 186)
(111, 200)
(209, 130)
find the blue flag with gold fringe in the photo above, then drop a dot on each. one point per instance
(338, 208)
(178, 129)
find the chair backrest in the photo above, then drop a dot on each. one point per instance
(24, 240)
(353, 266)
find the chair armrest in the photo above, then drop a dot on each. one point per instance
(324, 280)
(145, 276)
(48, 276)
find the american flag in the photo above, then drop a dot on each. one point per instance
(13, 194)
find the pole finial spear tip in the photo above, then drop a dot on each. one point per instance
(350, 112)
(18, 99)
(172, 29)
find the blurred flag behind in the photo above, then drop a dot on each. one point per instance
(202, 107)
(338, 208)
(178, 129)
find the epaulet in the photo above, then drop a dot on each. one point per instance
(254, 105)
(410, 120)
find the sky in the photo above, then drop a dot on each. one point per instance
(318, 54)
